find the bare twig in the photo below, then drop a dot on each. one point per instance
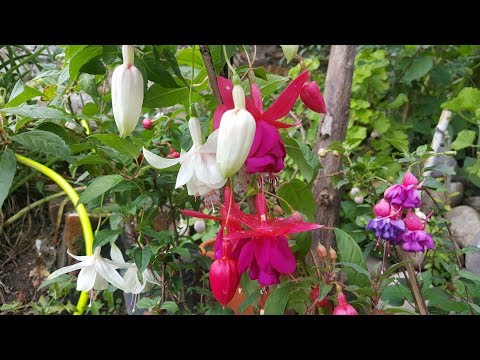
(212, 75)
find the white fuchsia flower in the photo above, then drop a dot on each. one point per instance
(198, 168)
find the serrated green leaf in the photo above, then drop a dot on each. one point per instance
(92, 160)
(355, 267)
(278, 299)
(467, 99)
(36, 112)
(22, 93)
(350, 252)
(82, 57)
(299, 195)
(158, 96)
(169, 306)
(183, 252)
(105, 236)
(142, 257)
(465, 138)
(419, 68)
(99, 186)
(169, 56)
(44, 142)
(8, 167)
(303, 157)
(123, 146)
(157, 73)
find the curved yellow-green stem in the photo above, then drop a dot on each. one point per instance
(82, 213)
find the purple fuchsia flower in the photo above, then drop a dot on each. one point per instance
(415, 239)
(386, 228)
(405, 194)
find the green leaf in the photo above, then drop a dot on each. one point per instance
(169, 56)
(303, 157)
(355, 267)
(21, 93)
(396, 294)
(90, 109)
(158, 96)
(183, 252)
(465, 138)
(99, 186)
(36, 112)
(8, 166)
(299, 195)
(169, 306)
(82, 57)
(399, 101)
(157, 73)
(218, 58)
(123, 146)
(105, 236)
(393, 268)
(443, 169)
(350, 252)
(467, 99)
(44, 142)
(469, 275)
(419, 68)
(278, 299)
(142, 257)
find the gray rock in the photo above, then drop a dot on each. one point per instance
(474, 202)
(453, 197)
(465, 223)
(446, 161)
(472, 259)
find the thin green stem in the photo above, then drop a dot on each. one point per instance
(81, 210)
(228, 60)
(191, 81)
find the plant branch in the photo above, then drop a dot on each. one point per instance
(212, 75)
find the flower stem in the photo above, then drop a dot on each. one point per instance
(228, 60)
(82, 213)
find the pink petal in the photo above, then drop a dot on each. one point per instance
(285, 101)
(256, 96)
(281, 256)
(225, 86)
(217, 115)
(246, 257)
(198, 214)
(265, 163)
(257, 140)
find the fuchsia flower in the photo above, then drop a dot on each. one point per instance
(267, 153)
(236, 218)
(405, 194)
(267, 254)
(415, 239)
(343, 308)
(224, 276)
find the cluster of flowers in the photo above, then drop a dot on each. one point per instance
(409, 231)
(244, 134)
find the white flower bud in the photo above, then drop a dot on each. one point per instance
(127, 93)
(199, 226)
(354, 191)
(235, 135)
(358, 199)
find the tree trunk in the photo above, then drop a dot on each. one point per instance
(333, 127)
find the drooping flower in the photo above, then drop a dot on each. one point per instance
(229, 209)
(95, 272)
(386, 228)
(343, 307)
(267, 254)
(267, 152)
(127, 93)
(132, 283)
(382, 208)
(198, 168)
(405, 194)
(416, 241)
(224, 276)
(235, 135)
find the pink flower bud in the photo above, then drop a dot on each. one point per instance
(409, 179)
(382, 208)
(224, 276)
(312, 97)
(343, 308)
(147, 124)
(413, 222)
